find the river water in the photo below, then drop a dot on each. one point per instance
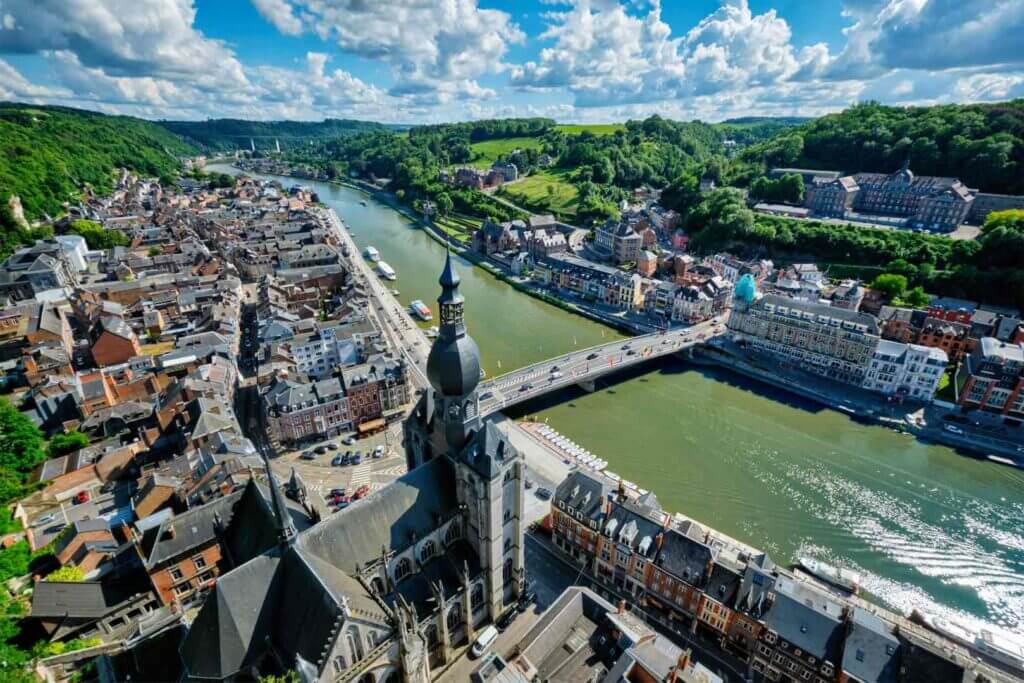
(926, 527)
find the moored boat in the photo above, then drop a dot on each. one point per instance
(999, 646)
(372, 254)
(420, 310)
(385, 270)
(837, 576)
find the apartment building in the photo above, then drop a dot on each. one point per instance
(319, 353)
(618, 241)
(906, 370)
(297, 411)
(832, 342)
(991, 378)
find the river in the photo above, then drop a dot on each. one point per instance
(926, 527)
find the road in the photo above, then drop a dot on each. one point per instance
(587, 365)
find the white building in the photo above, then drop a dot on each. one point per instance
(908, 370)
(318, 353)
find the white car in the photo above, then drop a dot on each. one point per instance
(44, 520)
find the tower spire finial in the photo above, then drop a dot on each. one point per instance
(282, 520)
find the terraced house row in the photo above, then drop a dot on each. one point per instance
(690, 579)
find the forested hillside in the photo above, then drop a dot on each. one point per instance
(982, 144)
(221, 135)
(48, 153)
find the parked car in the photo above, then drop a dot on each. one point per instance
(349, 440)
(333, 446)
(336, 461)
(338, 491)
(346, 459)
(45, 519)
(81, 497)
(308, 455)
(378, 452)
(506, 619)
(484, 641)
(320, 450)
(528, 597)
(357, 459)
(543, 493)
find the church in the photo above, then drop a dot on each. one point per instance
(385, 589)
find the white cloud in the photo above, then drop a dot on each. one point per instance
(979, 87)
(444, 46)
(602, 53)
(15, 86)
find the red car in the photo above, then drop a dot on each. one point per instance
(82, 497)
(360, 492)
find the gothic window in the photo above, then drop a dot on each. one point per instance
(478, 596)
(428, 552)
(453, 533)
(378, 585)
(454, 616)
(402, 569)
(339, 664)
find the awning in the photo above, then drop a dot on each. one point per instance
(371, 426)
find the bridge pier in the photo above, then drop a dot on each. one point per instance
(588, 386)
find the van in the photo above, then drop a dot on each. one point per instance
(486, 639)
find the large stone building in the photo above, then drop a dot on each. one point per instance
(831, 342)
(930, 202)
(906, 370)
(383, 589)
(618, 241)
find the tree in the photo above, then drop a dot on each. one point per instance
(444, 204)
(66, 443)
(154, 251)
(916, 297)
(96, 237)
(67, 573)
(890, 285)
(21, 442)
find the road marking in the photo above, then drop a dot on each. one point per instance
(360, 475)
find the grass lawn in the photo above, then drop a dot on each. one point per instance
(533, 192)
(595, 128)
(947, 390)
(486, 152)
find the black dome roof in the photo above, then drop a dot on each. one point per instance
(453, 366)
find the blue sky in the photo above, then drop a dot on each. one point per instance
(582, 60)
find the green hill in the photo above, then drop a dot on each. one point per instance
(229, 134)
(48, 153)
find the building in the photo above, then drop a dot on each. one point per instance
(385, 587)
(491, 238)
(991, 378)
(831, 342)
(114, 342)
(297, 411)
(618, 241)
(810, 176)
(929, 202)
(584, 278)
(699, 302)
(646, 263)
(330, 347)
(507, 171)
(905, 370)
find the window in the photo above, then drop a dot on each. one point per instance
(428, 551)
(199, 561)
(453, 533)
(181, 590)
(176, 574)
(402, 569)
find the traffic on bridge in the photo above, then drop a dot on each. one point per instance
(586, 365)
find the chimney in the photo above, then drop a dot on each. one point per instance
(622, 607)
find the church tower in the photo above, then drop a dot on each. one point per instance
(446, 417)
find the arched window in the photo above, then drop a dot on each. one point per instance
(428, 552)
(478, 596)
(378, 585)
(454, 616)
(453, 533)
(402, 569)
(340, 664)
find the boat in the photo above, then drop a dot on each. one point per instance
(386, 271)
(837, 576)
(371, 254)
(996, 645)
(420, 310)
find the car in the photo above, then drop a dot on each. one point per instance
(44, 520)
(349, 440)
(526, 387)
(631, 352)
(81, 497)
(357, 459)
(484, 641)
(592, 356)
(336, 461)
(543, 493)
(554, 368)
(506, 619)
(528, 597)
(555, 375)
(486, 395)
(378, 452)
(320, 450)
(625, 346)
(346, 460)
(308, 455)
(361, 492)
(333, 446)
(338, 491)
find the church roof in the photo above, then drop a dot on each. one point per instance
(407, 508)
(487, 451)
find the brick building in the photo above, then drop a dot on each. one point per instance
(992, 378)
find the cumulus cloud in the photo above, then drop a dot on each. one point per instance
(440, 46)
(15, 86)
(603, 53)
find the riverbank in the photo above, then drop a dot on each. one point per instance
(860, 405)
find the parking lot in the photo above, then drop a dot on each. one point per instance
(321, 477)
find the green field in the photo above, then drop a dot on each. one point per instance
(533, 193)
(486, 152)
(595, 128)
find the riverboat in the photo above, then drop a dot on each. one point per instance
(420, 310)
(371, 254)
(386, 271)
(1001, 647)
(837, 576)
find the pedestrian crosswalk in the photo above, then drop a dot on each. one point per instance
(360, 475)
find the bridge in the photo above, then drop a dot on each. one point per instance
(585, 366)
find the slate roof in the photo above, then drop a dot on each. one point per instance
(75, 599)
(584, 491)
(405, 509)
(684, 557)
(487, 450)
(807, 618)
(192, 529)
(871, 651)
